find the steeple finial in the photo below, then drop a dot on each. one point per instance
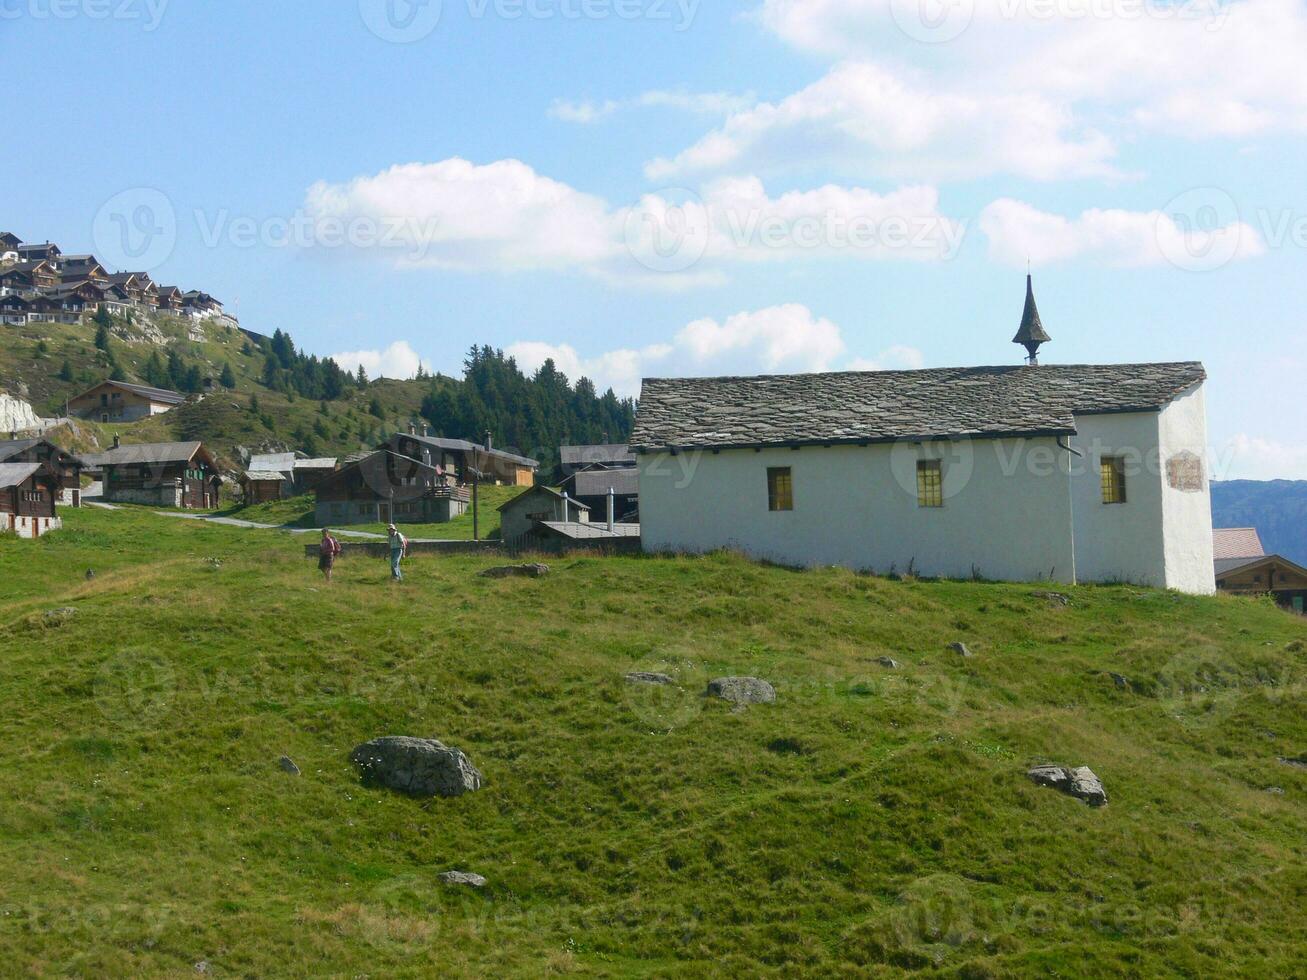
(1031, 334)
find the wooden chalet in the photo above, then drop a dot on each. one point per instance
(1243, 567)
(458, 458)
(386, 487)
(27, 499)
(14, 309)
(27, 276)
(73, 268)
(170, 299)
(167, 474)
(119, 401)
(66, 467)
(45, 252)
(9, 243)
(130, 284)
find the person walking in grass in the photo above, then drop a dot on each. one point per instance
(398, 549)
(328, 549)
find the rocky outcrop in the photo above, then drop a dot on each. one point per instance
(742, 690)
(517, 571)
(16, 416)
(961, 649)
(462, 878)
(1080, 783)
(421, 767)
(646, 677)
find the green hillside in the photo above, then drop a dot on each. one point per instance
(279, 398)
(872, 821)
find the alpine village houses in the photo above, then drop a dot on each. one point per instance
(167, 474)
(1244, 567)
(1068, 473)
(41, 284)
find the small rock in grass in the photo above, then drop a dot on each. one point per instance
(1295, 646)
(288, 765)
(645, 677)
(742, 690)
(57, 617)
(516, 571)
(202, 966)
(1120, 680)
(1080, 783)
(462, 878)
(1056, 598)
(1276, 790)
(420, 767)
(889, 663)
(961, 649)
(1298, 762)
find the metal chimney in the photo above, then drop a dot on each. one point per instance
(612, 509)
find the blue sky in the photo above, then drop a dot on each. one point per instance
(652, 187)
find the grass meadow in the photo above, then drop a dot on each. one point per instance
(872, 822)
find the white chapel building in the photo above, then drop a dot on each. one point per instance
(1062, 473)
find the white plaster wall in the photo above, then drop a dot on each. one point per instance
(1187, 514)
(1007, 512)
(1118, 542)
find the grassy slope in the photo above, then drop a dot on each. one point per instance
(224, 420)
(868, 821)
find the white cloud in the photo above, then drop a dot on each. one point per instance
(504, 217)
(1198, 68)
(699, 103)
(399, 360)
(779, 339)
(1018, 232)
(457, 215)
(866, 120)
(1248, 457)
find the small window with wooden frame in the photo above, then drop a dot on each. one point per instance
(1112, 477)
(930, 483)
(780, 488)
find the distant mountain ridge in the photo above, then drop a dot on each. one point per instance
(1277, 508)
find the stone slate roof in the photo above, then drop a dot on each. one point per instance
(587, 532)
(153, 452)
(13, 474)
(625, 482)
(883, 406)
(613, 454)
(1236, 542)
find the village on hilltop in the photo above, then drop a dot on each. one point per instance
(40, 284)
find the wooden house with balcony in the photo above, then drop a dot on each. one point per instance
(386, 487)
(27, 499)
(66, 467)
(166, 474)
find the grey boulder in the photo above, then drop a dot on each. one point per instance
(1080, 783)
(889, 663)
(961, 649)
(646, 677)
(516, 571)
(462, 878)
(288, 765)
(421, 767)
(742, 690)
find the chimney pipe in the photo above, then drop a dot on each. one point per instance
(412, 429)
(117, 441)
(490, 444)
(612, 509)
(567, 509)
